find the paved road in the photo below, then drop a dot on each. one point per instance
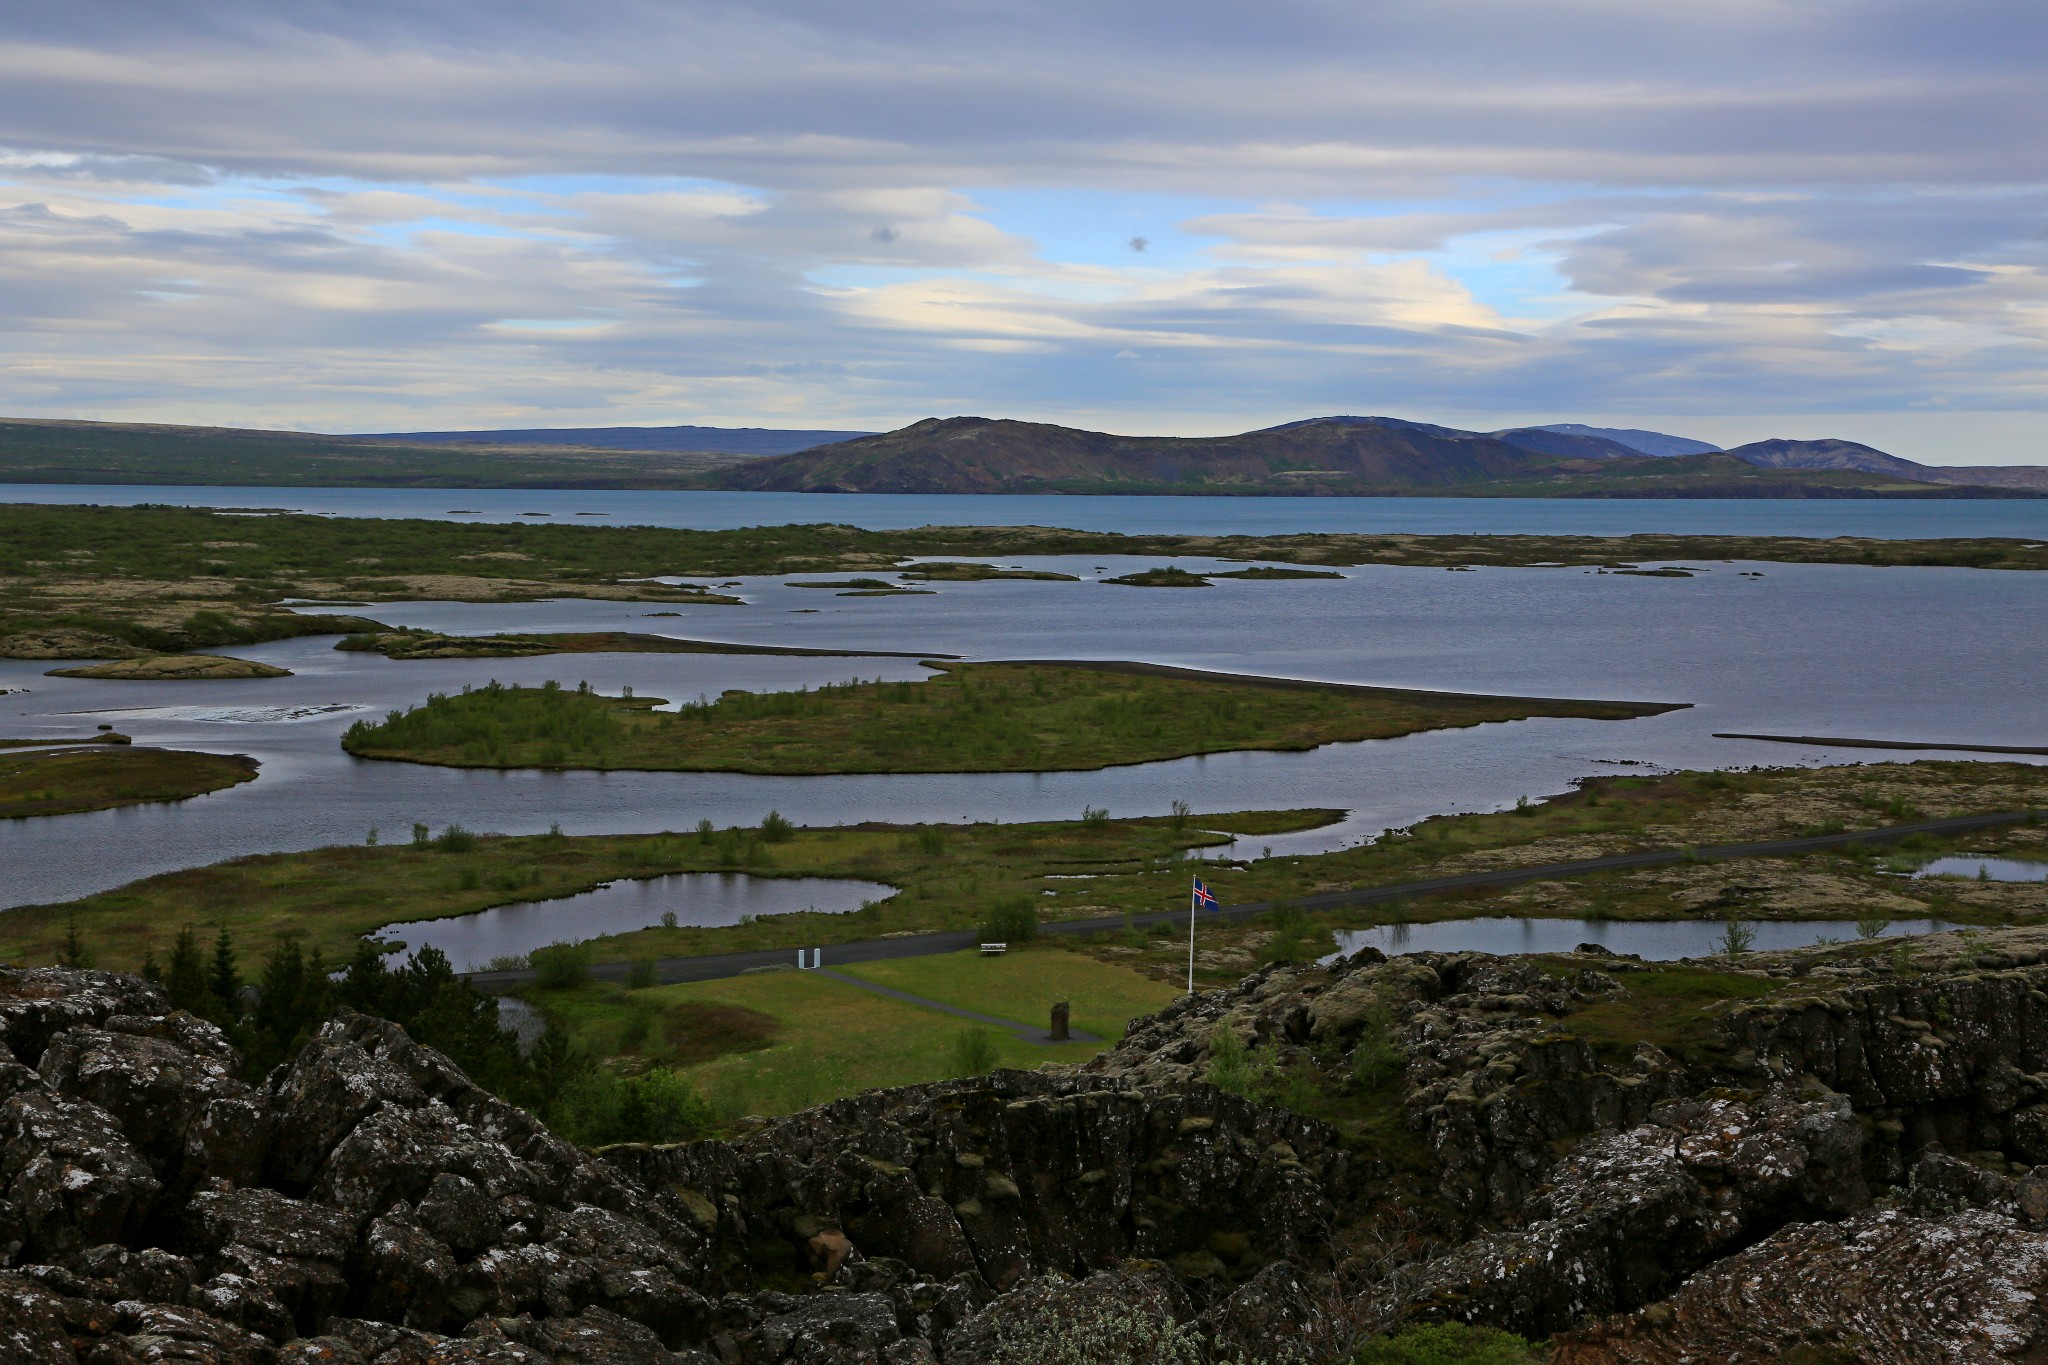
(713, 967)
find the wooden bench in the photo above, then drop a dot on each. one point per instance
(994, 949)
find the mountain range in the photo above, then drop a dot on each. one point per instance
(1355, 456)
(1350, 455)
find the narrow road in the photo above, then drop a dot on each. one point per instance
(714, 966)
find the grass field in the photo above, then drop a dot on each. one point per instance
(68, 781)
(1035, 717)
(783, 1041)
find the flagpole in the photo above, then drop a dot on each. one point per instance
(1192, 879)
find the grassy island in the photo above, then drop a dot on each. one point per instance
(995, 717)
(175, 668)
(67, 781)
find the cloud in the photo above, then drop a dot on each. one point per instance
(385, 214)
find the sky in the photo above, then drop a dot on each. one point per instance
(1730, 219)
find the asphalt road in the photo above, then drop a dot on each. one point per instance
(714, 966)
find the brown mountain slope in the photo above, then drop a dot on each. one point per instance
(980, 455)
(1332, 456)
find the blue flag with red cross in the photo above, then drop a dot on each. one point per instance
(1206, 898)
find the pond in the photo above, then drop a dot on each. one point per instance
(1979, 868)
(701, 900)
(1652, 940)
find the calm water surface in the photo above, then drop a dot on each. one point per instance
(1986, 869)
(1935, 655)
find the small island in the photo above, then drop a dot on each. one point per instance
(1166, 576)
(175, 668)
(67, 781)
(1034, 716)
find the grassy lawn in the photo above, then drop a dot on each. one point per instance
(826, 1038)
(1038, 717)
(66, 781)
(1024, 983)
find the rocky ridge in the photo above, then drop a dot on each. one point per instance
(1831, 1129)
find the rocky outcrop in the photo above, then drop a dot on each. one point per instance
(1839, 1156)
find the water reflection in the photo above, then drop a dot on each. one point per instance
(1986, 869)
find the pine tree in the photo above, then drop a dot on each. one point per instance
(74, 953)
(224, 978)
(185, 978)
(152, 970)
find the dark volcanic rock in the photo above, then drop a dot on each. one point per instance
(1846, 1164)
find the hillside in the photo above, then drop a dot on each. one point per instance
(1328, 456)
(150, 453)
(1851, 455)
(750, 441)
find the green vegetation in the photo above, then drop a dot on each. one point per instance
(1450, 1343)
(66, 781)
(1166, 576)
(1668, 1005)
(776, 1042)
(944, 571)
(950, 876)
(972, 718)
(175, 668)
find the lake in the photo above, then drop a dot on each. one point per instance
(1932, 655)
(1886, 519)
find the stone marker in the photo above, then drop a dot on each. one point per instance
(1059, 1032)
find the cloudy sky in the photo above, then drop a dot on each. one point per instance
(1728, 218)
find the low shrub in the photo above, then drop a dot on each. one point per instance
(600, 1106)
(1011, 920)
(560, 966)
(974, 1052)
(1450, 1343)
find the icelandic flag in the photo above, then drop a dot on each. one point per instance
(1206, 898)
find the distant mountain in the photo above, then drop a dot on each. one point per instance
(1539, 439)
(1833, 453)
(1354, 456)
(1326, 456)
(1642, 442)
(720, 440)
(1573, 444)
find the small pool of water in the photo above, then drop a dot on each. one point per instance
(1653, 940)
(1986, 869)
(696, 899)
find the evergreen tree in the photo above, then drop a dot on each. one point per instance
(152, 970)
(74, 953)
(185, 978)
(224, 978)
